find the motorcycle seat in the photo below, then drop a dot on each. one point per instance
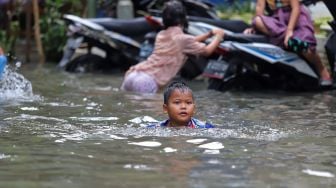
(246, 38)
(237, 26)
(130, 27)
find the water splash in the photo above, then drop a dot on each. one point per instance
(14, 86)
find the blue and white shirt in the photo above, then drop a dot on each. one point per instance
(193, 123)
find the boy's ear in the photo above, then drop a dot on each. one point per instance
(164, 107)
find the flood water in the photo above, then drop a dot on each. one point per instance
(70, 130)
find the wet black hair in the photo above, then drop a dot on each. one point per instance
(174, 14)
(175, 85)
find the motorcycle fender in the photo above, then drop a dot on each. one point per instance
(71, 46)
(74, 43)
(99, 52)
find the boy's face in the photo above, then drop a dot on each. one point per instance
(180, 107)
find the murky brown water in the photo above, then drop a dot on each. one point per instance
(81, 131)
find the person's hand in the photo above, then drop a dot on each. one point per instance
(218, 33)
(249, 31)
(289, 34)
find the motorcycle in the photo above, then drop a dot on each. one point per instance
(110, 44)
(250, 62)
(199, 8)
(103, 43)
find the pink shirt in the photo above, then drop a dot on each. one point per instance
(169, 55)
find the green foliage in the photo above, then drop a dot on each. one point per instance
(8, 42)
(238, 9)
(53, 28)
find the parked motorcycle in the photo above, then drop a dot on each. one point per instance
(251, 62)
(103, 43)
(199, 8)
(109, 44)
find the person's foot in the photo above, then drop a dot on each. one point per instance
(326, 79)
(326, 82)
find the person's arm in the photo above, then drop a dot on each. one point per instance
(295, 13)
(204, 36)
(211, 47)
(260, 7)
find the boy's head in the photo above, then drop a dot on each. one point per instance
(174, 14)
(179, 103)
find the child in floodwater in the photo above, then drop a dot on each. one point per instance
(179, 104)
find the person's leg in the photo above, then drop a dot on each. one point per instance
(260, 26)
(314, 58)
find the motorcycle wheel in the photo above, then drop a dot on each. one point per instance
(219, 85)
(86, 63)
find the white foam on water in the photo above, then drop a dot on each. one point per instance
(29, 108)
(318, 173)
(23, 117)
(197, 141)
(139, 120)
(195, 134)
(211, 151)
(137, 167)
(14, 86)
(79, 135)
(3, 156)
(212, 146)
(146, 143)
(214, 161)
(169, 150)
(56, 104)
(60, 140)
(95, 118)
(117, 137)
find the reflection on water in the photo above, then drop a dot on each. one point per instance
(82, 131)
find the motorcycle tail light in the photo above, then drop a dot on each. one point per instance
(153, 22)
(221, 50)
